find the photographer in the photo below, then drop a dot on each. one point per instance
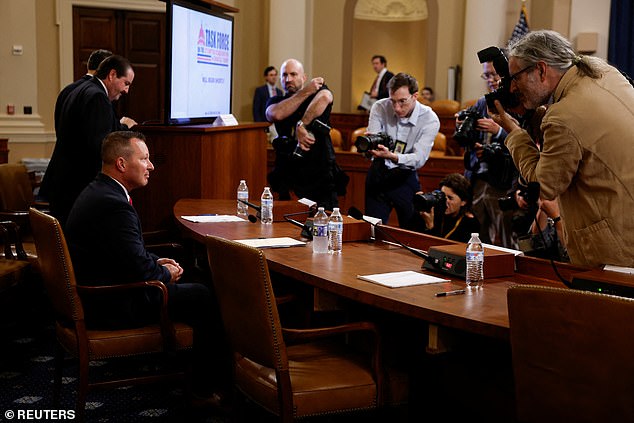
(304, 156)
(488, 165)
(392, 180)
(588, 146)
(449, 215)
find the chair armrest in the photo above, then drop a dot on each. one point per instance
(167, 326)
(299, 335)
(11, 235)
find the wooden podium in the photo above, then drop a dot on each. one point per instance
(199, 161)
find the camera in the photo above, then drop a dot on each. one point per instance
(530, 193)
(467, 132)
(427, 200)
(365, 143)
(318, 130)
(500, 63)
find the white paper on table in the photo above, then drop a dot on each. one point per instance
(401, 279)
(271, 242)
(213, 218)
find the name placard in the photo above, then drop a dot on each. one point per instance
(225, 120)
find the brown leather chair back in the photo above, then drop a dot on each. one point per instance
(572, 355)
(16, 191)
(445, 108)
(336, 138)
(439, 148)
(247, 304)
(56, 267)
(353, 136)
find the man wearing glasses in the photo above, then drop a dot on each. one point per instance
(588, 146)
(491, 175)
(392, 180)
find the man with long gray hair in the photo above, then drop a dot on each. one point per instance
(588, 144)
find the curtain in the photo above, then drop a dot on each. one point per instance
(621, 41)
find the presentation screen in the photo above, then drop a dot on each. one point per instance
(199, 59)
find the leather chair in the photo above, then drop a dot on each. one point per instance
(572, 355)
(16, 196)
(337, 139)
(292, 373)
(439, 148)
(353, 137)
(14, 266)
(88, 345)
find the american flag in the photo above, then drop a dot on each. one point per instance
(521, 28)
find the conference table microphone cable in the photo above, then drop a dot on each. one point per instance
(355, 213)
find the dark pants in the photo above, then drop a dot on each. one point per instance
(381, 198)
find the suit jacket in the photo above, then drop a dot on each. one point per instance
(105, 239)
(383, 91)
(61, 97)
(86, 117)
(260, 98)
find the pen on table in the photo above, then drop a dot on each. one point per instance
(447, 293)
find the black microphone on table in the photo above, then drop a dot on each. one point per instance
(258, 209)
(355, 213)
(307, 228)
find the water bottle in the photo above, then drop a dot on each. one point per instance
(243, 194)
(335, 232)
(320, 231)
(475, 262)
(266, 202)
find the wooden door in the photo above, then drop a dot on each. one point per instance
(139, 36)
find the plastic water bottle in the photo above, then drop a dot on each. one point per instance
(320, 231)
(335, 232)
(243, 194)
(266, 202)
(475, 262)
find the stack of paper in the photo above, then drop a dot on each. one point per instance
(401, 279)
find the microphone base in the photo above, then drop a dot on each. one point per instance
(452, 260)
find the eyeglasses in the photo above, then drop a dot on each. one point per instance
(401, 102)
(490, 75)
(518, 73)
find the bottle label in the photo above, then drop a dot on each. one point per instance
(475, 255)
(320, 230)
(335, 226)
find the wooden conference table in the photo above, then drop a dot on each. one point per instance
(481, 312)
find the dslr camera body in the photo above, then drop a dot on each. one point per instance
(501, 64)
(468, 132)
(425, 201)
(365, 143)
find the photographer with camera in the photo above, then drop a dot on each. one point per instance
(488, 164)
(392, 180)
(588, 144)
(304, 156)
(447, 212)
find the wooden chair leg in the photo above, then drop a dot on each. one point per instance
(57, 377)
(82, 390)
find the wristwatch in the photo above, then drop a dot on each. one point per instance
(299, 124)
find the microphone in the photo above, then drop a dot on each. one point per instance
(306, 229)
(355, 213)
(252, 218)
(253, 206)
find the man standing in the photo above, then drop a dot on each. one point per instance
(96, 57)
(86, 117)
(305, 158)
(263, 93)
(106, 245)
(392, 180)
(588, 147)
(491, 173)
(383, 76)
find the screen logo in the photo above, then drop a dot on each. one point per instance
(213, 47)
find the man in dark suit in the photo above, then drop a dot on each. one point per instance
(96, 57)
(106, 245)
(263, 93)
(86, 117)
(379, 87)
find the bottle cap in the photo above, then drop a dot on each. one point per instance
(475, 234)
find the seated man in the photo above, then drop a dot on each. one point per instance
(106, 245)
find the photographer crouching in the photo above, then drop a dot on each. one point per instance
(447, 212)
(408, 130)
